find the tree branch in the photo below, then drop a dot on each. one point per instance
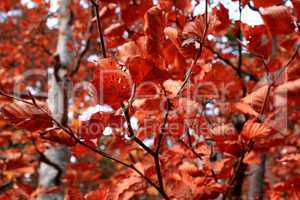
(86, 47)
(229, 63)
(158, 147)
(131, 132)
(102, 45)
(45, 159)
(70, 132)
(198, 54)
(6, 186)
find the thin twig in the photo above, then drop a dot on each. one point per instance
(131, 131)
(86, 47)
(229, 63)
(198, 54)
(160, 139)
(45, 159)
(6, 186)
(187, 131)
(240, 49)
(102, 45)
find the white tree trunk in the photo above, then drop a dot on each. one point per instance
(256, 180)
(58, 100)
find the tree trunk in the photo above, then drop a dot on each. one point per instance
(256, 180)
(58, 101)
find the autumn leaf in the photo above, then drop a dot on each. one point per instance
(132, 49)
(263, 3)
(246, 109)
(100, 193)
(278, 20)
(94, 127)
(255, 99)
(253, 130)
(177, 39)
(296, 5)
(196, 28)
(112, 84)
(126, 189)
(223, 16)
(289, 88)
(258, 38)
(139, 68)
(290, 158)
(26, 116)
(154, 29)
(59, 136)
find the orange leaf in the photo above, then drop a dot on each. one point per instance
(246, 109)
(132, 49)
(256, 99)
(255, 130)
(97, 194)
(290, 87)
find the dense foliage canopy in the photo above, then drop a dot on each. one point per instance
(165, 99)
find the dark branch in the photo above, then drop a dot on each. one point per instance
(160, 139)
(6, 187)
(131, 132)
(45, 159)
(86, 47)
(102, 45)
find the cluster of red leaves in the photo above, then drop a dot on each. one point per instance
(223, 119)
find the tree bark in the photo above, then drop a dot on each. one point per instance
(256, 180)
(59, 88)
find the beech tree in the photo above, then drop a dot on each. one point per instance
(142, 99)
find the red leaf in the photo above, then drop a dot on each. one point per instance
(258, 39)
(139, 68)
(196, 27)
(296, 4)
(94, 127)
(278, 20)
(112, 84)
(26, 116)
(114, 29)
(154, 31)
(132, 49)
(59, 136)
(177, 39)
(97, 194)
(264, 3)
(223, 16)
